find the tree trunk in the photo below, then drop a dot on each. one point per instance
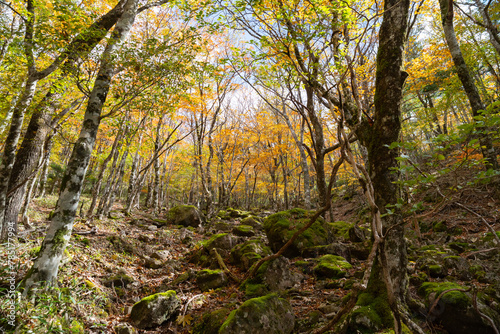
(46, 265)
(45, 169)
(9, 153)
(466, 78)
(388, 280)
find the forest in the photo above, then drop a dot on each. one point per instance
(250, 166)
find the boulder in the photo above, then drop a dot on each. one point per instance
(185, 215)
(331, 266)
(124, 328)
(154, 310)
(454, 311)
(211, 322)
(233, 213)
(121, 279)
(272, 276)
(246, 254)
(244, 231)
(222, 242)
(207, 279)
(252, 221)
(281, 226)
(268, 314)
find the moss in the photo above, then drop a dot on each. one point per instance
(428, 247)
(340, 229)
(254, 290)
(489, 236)
(211, 322)
(435, 270)
(331, 266)
(243, 230)
(209, 272)
(59, 240)
(207, 243)
(33, 252)
(151, 298)
(251, 304)
(440, 227)
(457, 298)
(281, 226)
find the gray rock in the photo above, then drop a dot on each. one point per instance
(185, 215)
(122, 279)
(268, 314)
(124, 328)
(246, 254)
(154, 310)
(210, 279)
(152, 263)
(278, 275)
(163, 255)
(244, 231)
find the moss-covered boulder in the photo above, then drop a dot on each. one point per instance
(253, 221)
(331, 266)
(124, 328)
(154, 310)
(268, 314)
(121, 279)
(430, 259)
(244, 255)
(272, 276)
(244, 231)
(233, 213)
(454, 311)
(207, 279)
(185, 215)
(281, 226)
(203, 252)
(211, 322)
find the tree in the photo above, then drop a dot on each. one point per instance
(466, 78)
(46, 265)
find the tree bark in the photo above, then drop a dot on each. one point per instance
(382, 160)
(46, 266)
(466, 78)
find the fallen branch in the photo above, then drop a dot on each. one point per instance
(480, 251)
(434, 304)
(224, 267)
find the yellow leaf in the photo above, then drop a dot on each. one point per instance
(184, 320)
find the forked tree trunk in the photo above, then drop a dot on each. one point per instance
(46, 265)
(382, 160)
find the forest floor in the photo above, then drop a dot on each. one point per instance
(106, 272)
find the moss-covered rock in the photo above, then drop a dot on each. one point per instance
(233, 213)
(246, 254)
(222, 242)
(331, 266)
(207, 279)
(211, 322)
(253, 221)
(244, 230)
(121, 279)
(185, 215)
(454, 310)
(154, 310)
(281, 226)
(274, 275)
(268, 314)
(124, 328)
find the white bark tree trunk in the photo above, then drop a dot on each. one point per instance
(46, 266)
